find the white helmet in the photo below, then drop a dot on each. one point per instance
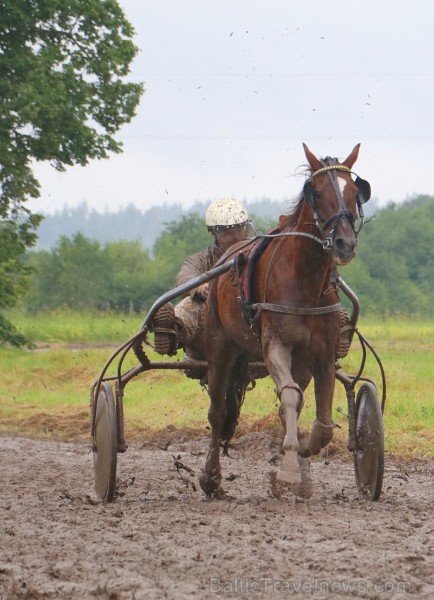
(226, 213)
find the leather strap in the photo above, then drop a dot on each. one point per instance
(292, 310)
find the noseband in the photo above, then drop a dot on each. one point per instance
(330, 167)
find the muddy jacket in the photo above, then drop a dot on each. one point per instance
(198, 264)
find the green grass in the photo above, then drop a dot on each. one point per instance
(45, 392)
(66, 326)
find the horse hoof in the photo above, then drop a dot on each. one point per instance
(211, 485)
(303, 489)
(306, 485)
(289, 471)
(303, 444)
(320, 435)
(304, 451)
(281, 488)
(290, 477)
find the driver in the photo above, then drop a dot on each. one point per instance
(228, 222)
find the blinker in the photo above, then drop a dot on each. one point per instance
(364, 189)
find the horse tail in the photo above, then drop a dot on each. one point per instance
(235, 393)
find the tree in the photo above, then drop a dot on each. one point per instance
(13, 272)
(76, 274)
(180, 239)
(129, 263)
(190, 229)
(63, 96)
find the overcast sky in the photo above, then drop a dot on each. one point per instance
(233, 88)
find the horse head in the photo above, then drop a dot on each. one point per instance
(335, 201)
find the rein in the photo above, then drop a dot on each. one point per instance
(325, 243)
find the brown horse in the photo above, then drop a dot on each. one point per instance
(295, 327)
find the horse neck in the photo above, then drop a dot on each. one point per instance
(301, 267)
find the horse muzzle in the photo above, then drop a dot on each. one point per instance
(344, 250)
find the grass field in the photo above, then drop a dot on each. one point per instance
(45, 392)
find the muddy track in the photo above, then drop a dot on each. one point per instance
(162, 539)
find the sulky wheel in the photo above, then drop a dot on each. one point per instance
(105, 444)
(369, 452)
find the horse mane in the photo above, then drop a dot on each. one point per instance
(288, 220)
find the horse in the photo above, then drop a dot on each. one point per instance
(295, 325)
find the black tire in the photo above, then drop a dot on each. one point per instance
(369, 452)
(105, 445)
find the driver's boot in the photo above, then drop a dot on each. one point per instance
(164, 327)
(346, 333)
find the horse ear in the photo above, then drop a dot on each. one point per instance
(314, 163)
(351, 159)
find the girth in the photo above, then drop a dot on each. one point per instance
(292, 310)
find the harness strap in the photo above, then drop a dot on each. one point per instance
(333, 167)
(343, 212)
(292, 310)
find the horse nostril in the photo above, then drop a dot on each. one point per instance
(345, 247)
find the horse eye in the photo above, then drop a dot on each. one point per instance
(317, 194)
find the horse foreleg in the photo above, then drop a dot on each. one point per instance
(322, 429)
(219, 369)
(291, 399)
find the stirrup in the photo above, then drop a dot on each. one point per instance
(163, 326)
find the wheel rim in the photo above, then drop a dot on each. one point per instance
(369, 453)
(105, 445)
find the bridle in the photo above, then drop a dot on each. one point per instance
(330, 166)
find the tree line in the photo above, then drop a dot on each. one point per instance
(131, 222)
(393, 273)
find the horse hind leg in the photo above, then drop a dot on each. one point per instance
(219, 369)
(234, 398)
(210, 479)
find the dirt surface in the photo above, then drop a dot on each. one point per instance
(162, 539)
